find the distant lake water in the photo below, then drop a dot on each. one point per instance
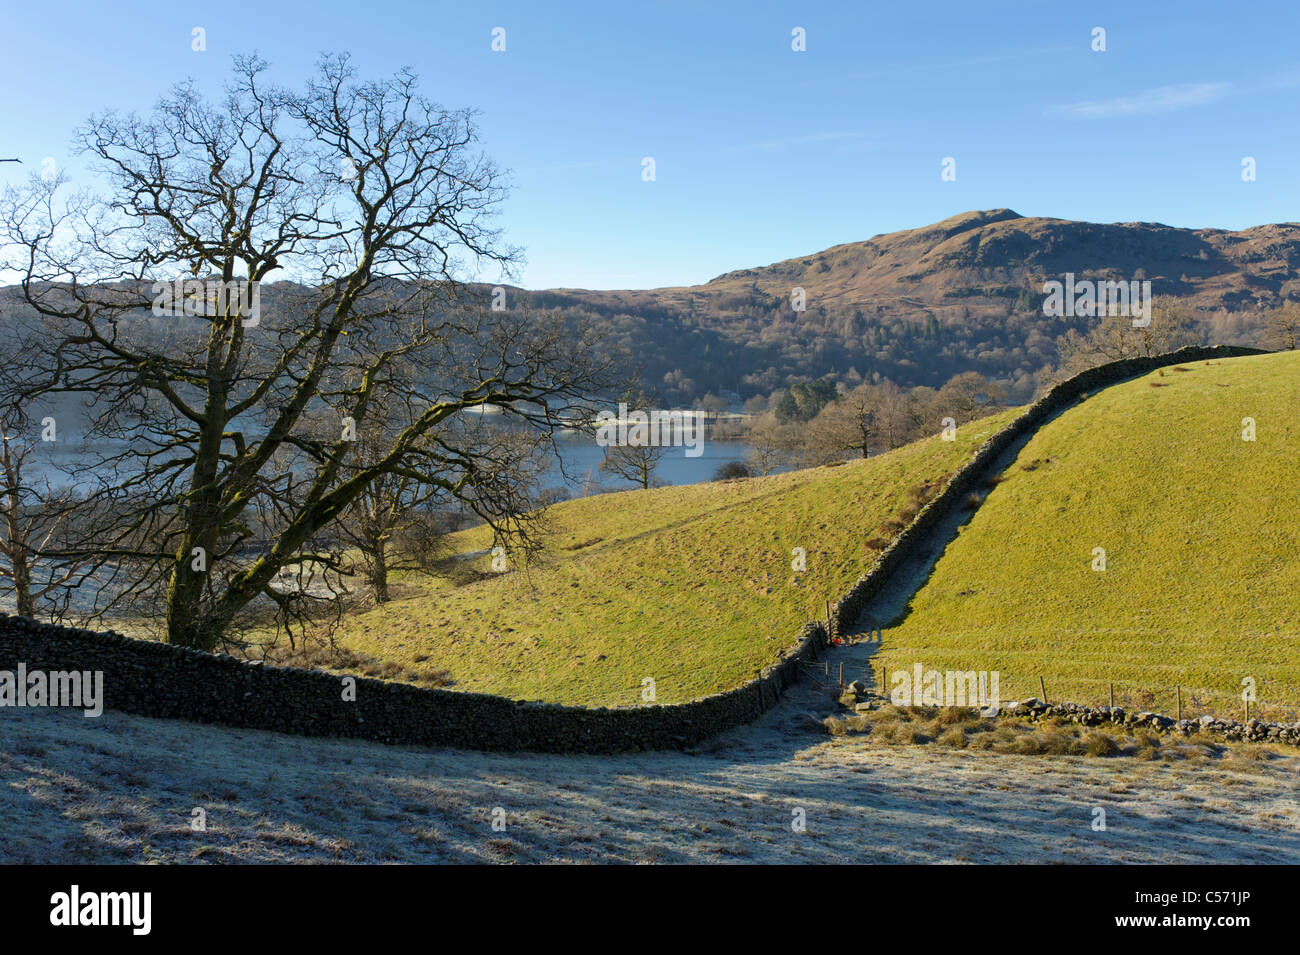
(581, 458)
(579, 464)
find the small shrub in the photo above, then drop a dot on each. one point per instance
(732, 471)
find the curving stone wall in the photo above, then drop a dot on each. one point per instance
(156, 679)
(160, 680)
(912, 540)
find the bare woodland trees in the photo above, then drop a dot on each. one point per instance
(771, 444)
(870, 419)
(1115, 337)
(1282, 327)
(848, 424)
(396, 507)
(229, 438)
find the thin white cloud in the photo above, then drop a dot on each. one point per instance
(1162, 99)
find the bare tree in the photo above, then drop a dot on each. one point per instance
(636, 463)
(846, 425)
(968, 396)
(35, 517)
(771, 443)
(1282, 326)
(393, 503)
(637, 460)
(897, 414)
(386, 506)
(228, 429)
(1169, 328)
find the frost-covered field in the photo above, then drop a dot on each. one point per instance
(123, 789)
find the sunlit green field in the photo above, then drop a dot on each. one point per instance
(692, 587)
(1201, 532)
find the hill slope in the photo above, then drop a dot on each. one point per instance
(988, 251)
(690, 586)
(915, 306)
(1201, 532)
(920, 305)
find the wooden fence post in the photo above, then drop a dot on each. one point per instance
(1179, 689)
(1112, 696)
(1043, 688)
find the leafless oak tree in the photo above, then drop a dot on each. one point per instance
(227, 437)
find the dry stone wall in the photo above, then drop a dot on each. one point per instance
(154, 679)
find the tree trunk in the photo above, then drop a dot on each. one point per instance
(188, 625)
(22, 577)
(379, 571)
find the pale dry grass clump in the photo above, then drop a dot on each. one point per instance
(964, 728)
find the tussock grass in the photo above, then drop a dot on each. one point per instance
(962, 728)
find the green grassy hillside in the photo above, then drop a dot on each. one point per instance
(1201, 532)
(690, 586)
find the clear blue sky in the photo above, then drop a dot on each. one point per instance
(762, 153)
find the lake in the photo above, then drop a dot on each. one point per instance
(580, 457)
